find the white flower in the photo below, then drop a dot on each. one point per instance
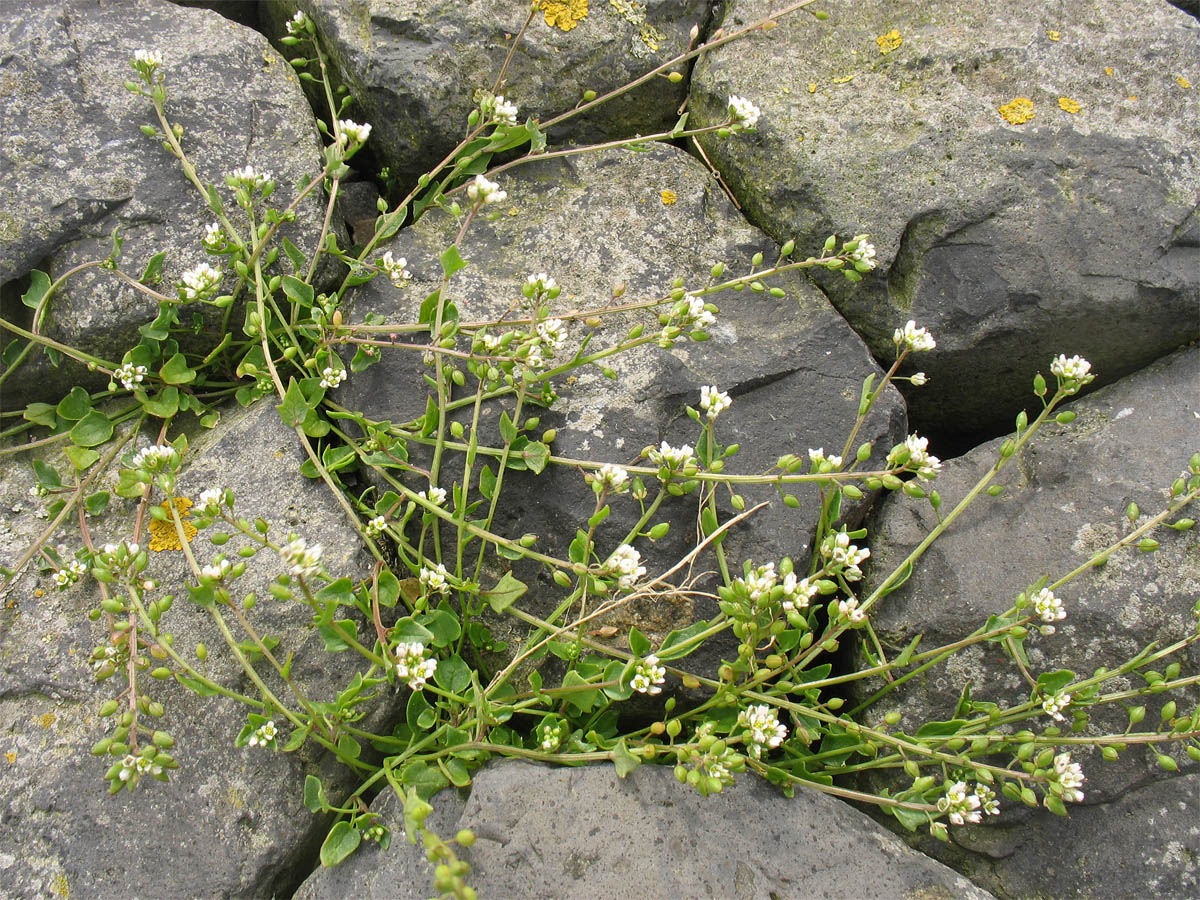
(961, 806)
(214, 237)
(62, 578)
(218, 570)
(331, 377)
(302, 560)
(743, 114)
(130, 375)
(765, 729)
(1048, 607)
(841, 553)
(353, 132)
(648, 675)
(864, 254)
(395, 269)
(553, 333)
(263, 735)
(553, 733)
(759, 581)
(797, 592)
(1070, 777)
(611, 478)
(848, 609)
(155, 458)
(625, 563)
(298, 23)
(375, 526)
(674, 458)
(1073, 373)
(988, 802)
(695, 314)
(1055, 703)
(541, 282)
(713, 401)
(436, 495)
(920, 379)
(919, 459)
(248, 177)
(199, 283)
(434, 580)
(914, 338)
(818, 456)
(504, 111)
(210, 498)
(128, 766)
(487, 191)
(412, 664)
(146, 61)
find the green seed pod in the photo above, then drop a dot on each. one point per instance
(108, 708)
(675, 77)
(161, 673)
(1167, 762)
(589, 96)
(673, 728)
(1109, 753)
(1193, 752)
(101, 746)
(1167, 712)
(465, 837)
(155, 709)
(163, 740)
(995, 490)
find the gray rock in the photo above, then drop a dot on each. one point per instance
(1065, 499)
(231, 821)
(413, 68)
(792, 365)
(1072, 233)
(570, 833)
(75, 164)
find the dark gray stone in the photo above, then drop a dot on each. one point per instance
(75, 165)
(1010, 242)
(585, 833)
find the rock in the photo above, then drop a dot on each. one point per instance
(1065, 499)
(792, 366)
(1073, 232)
(644, 835)
(230, 822)
(77, 166)
(413, 68)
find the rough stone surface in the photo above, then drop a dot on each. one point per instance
(414, 67)
(1065, 499)
(74, 164)
(792, 366)
(585, 833)
(231, 820)
(1072, 233)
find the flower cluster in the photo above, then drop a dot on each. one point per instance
(210, 500)
(249, 178)
(299, 24)
(674, 459)
(133, 767)
(354, 132)
(395, 269)
(199, 283)
(625, 563)
(797, 592)
(764, 731)
(843, 555)
(1069, 778)
(218, 570)
(413, 665)
(331, 377)
(145, 62)
(302, 560)
(129, 375)
(504, 112)
(913, 338)
(1055, 704)
(435, 495)
(214, 240)
(1048, 608)
(713, 401)
(758, 582)
(435, 580)
(155, 458)
(914, 455)
(264, 735)
(552, 733)
(848, 610)
(648, 675)
(743, 115)
(485, 191)
(540, 283)
(374, 527)
(823, 463)
(1072, 373)
(860, 252)
(610, 478)
(105, 660)
(966, 807)
(71, 573)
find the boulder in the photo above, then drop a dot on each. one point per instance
(586, 833)
(76, 165)
(792, 366)
(414, 68)
(1011, 239)
(231, 821)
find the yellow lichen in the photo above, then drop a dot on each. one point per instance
(1017, 111)
(1054, 35)
(1066, 104)
(843, 79)
(47, 719)
(889, 42)
(162, 533)
(1183, 82)
(563, 14)
(11, 756)
(60, 885)
(1108, 70)
(812, 87)
(668, 197)
(38, 592)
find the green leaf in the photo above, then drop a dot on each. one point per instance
(81, 457)
(294, 407)
(428, 308)
(903, 658)
(945, 729)
(348, 747)
(332, 634)
(93, 429)
(196, 687)
(453, 674)
(639, 644)
(313, 425)
(340, 592)
(97, 502)
(176, 371)
(429, 426)
(164, 404)
(314, 794)
(451, 261)
(75, 405)
(624, 761)
(458, 773)
(418, 713)
(536, 455)
(679, 638)
(39, 284)
(408, 631)
(127, 484)
(40, 414)
(339, 457)
(1053, 682)
(508, 431)
(487, 482)
(389, 588)
(443, 625)
(505, 593)
(582, 700)
(578, 551)
(201, 594)
(294, 742)
(298, 292)
(425, 779)
(152, 274)
(293, 253)
(342, 840)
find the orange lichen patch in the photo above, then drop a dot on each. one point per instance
(1017, 111)
(1066, 104)
(11, 756)
(1054, 35)
(668, 196)
(162, 533)
(889, 42)
(563, 14)
(1108, 70)
(1183, 82)
(38, 592)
